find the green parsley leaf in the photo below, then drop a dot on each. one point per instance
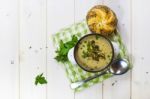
(40, 79)
(64, 49)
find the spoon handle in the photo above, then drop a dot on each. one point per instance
(80, 83)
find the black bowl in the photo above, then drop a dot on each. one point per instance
(90, 70)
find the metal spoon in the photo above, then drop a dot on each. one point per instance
(118, 67)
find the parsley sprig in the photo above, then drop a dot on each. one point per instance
(64, 48)
(40, 79)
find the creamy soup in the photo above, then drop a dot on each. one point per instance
(93, 52)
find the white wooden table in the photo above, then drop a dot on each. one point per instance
(26, 49)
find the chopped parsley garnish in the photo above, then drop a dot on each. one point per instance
(97, 37)
(85, 54)
(85, 41)
(93, 51)
(108, 55)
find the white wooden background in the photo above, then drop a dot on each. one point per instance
(26, 49)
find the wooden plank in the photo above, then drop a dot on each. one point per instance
(59, 14)
(32, 48)
(9, 49)
(119, 86)
(141, 70)
(81, 9)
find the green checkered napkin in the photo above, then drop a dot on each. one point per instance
(74, 72)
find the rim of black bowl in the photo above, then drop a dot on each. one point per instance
(105, 67)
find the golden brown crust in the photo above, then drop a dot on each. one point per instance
(102, 20)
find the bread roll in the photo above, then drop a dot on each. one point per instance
(102, 20)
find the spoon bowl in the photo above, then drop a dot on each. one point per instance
(119, 67)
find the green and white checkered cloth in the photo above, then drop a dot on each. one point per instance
(75, 73)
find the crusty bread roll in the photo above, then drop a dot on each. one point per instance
(102, 20)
